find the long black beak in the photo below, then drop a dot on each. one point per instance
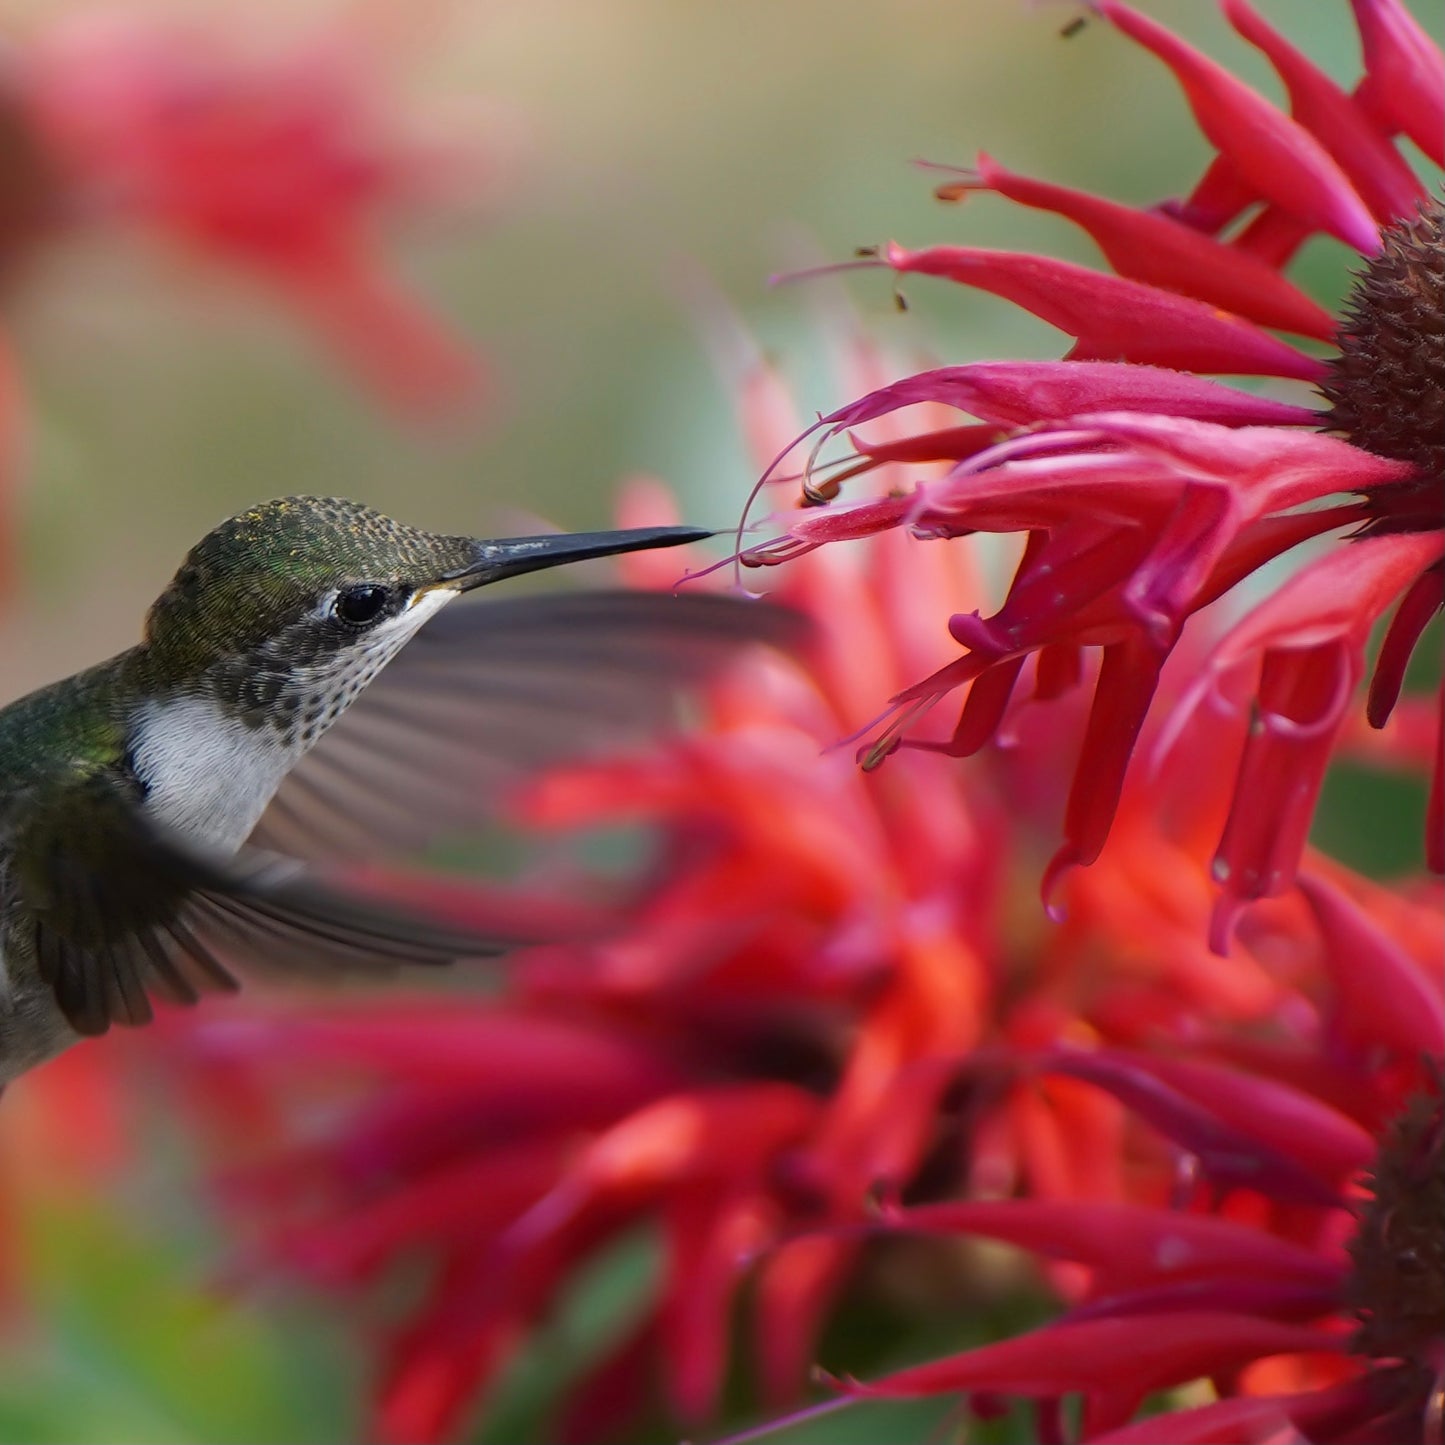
(513, 556)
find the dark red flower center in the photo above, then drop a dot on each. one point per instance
(1386, 389)
(1397, 1286)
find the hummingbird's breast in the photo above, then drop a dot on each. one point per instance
(206, 773)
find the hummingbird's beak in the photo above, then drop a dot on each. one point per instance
(513, 556)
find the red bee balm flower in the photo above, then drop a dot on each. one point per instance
(817, 996)
(1146, 491)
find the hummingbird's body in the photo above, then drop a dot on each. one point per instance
(157, 808)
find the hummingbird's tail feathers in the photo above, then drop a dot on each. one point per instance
(123, 910)
(491, 692)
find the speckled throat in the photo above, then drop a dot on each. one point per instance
(212, 754)
(296, 688)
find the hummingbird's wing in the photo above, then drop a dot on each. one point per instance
(488, 692)
(122, 911)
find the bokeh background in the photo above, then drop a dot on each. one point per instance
(627, 167)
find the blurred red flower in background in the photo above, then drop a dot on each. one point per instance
(1146, 492)
(279, 158)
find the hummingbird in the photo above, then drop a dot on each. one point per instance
(306, 692)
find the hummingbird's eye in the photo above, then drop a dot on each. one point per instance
(360, 604)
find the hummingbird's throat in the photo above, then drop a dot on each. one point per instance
(210, 764)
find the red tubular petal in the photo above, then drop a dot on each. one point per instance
(947, 444)
(1127, 680)
(1270, 537)
(613, 1394)
(1220, 196)
(1145, 1353)
(1384, 995)
(1153, 248)
(1406, 73)
(1232, 1154)
(1113, 318)
(1057, 671)
(1273, 236)
(1413, 615)
(1435, 807)
(1253, 1294)
(1310, 1415)
(1309, 638)
(1020, 393)
(1273, 154)
(1300, 706)
(710, 1241)
(457, 1202)
(984, 708)
(424, 1393)
(1291, 1120)
(1375, 168)
(796, 1285)
(1131, 1245)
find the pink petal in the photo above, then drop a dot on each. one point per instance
(1146, 1353)
(455, 1203)
(1210, 1115)
(1418, 606)
(1284, 468)
(1219, 198)
(613, 1394)
(1384, 995)
(1311, 1415)
(1280, 159)
(1435, 806)
(1113, 318)
(1374, 166)
(947, 444)
(1299, 703)
(1405, 73)
(796, 1286)
(1021, 393)
(1308, 641)
(1153, 248)
(710, 1243)
(1129, 1244)
(1126, 686)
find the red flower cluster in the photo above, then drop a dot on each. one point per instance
(821, 997)
(1145, 492)
(277, 161)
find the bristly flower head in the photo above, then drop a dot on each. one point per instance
(1145, 490)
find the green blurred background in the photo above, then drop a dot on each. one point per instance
(639, 142)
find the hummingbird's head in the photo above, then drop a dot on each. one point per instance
(317, 593)
(300, 579)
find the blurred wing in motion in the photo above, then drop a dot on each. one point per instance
(120, 912)
(488, 692)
